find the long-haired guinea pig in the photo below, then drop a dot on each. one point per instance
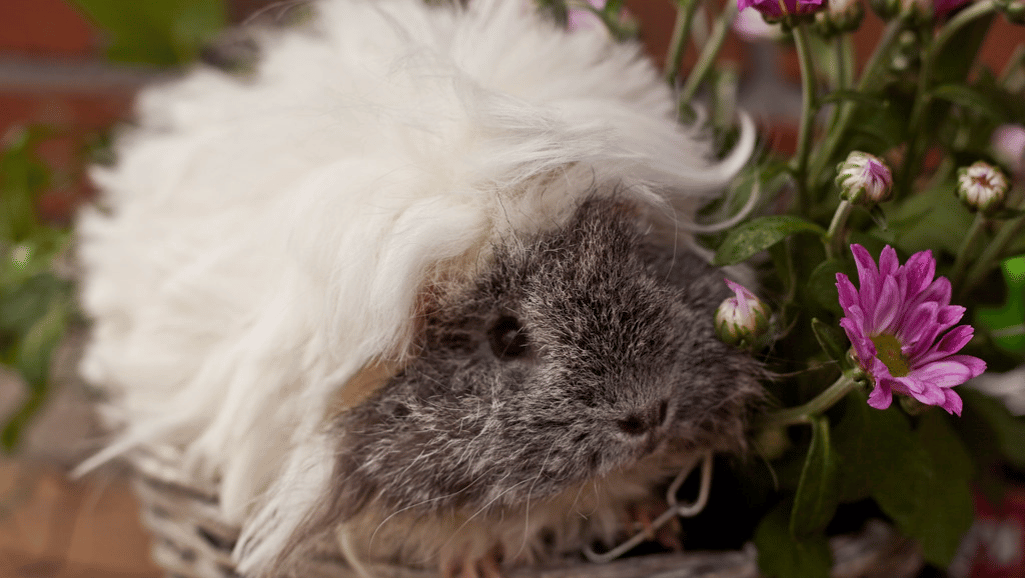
(420, 282)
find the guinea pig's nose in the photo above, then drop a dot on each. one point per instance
(638, 423)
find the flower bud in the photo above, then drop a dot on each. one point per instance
(1014, 10)
(863, 178)
(743, 319)
(841, 16)
(981, 186)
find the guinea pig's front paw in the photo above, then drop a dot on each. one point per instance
(640, 517)
(463, 564)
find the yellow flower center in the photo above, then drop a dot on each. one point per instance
(889, 352)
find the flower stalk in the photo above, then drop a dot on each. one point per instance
(803, 414)
(708, 53)
(808, 109)
(834, 235)
(868, 80)
(991, 254)
(923, 95)
(685, 10)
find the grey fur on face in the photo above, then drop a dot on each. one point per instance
(579, 352)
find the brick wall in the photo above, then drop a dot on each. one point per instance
(52, 71)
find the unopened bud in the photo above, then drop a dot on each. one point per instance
(742, 319)
(1014, 10)
(981, 186)
(863, 178)
(841, 16)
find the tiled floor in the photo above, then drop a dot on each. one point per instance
(54, 527)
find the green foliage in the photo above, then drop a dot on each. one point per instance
(781, 555)
(35, 304)
(816, 499)
(759, 234)
(1006, 324)
(158, 32)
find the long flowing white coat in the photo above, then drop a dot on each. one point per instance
(261, 243)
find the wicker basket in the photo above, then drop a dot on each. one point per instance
(191, 540)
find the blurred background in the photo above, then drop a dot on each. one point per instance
(68, 72)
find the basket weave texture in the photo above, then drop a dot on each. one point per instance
(192, 540)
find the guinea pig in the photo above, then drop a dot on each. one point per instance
(420, 282)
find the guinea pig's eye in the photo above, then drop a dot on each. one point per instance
(508, 340)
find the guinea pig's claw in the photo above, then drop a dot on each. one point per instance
(642, 516)
(486, 567)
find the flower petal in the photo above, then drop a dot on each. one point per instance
(951, 402)
(948, 345)
(887, 308)
(881, 397)
(888, 262)
(848, 294)
(946, 373)
(948, 315)
(925, 392)
(920, 270)
(916, 324)
(938, 291)
(868, 274)
(975, 365)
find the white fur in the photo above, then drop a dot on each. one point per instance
(261, 241)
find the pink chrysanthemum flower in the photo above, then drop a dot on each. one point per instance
(894, 321)
(777, 9)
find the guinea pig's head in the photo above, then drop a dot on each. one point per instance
(575, 353)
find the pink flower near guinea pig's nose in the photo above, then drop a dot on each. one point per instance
(742, 319)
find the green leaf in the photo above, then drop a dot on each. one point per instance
(36, 349)
(925, 220)
(878, 454)
(160, 32)
(986, 421)
(972, 99)
(1006, 324)
(832, 340)
(816, 498)
(918, 478)
(1006, 214)
(22, 178)
(22, 305)
(851, 95)
(946, 507)
(780, 555)
(759, 234)
(821, 285)
(15, 426)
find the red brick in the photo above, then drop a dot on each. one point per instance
(78, 119)
(44, 27)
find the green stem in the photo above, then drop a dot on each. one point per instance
(685, 10)
(834, 236)
(867, 82)
(966, 252)
(808, 108)
(804, 413)
(708, 53)
(1012, 70)
(923, 94)
(1009, 232)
